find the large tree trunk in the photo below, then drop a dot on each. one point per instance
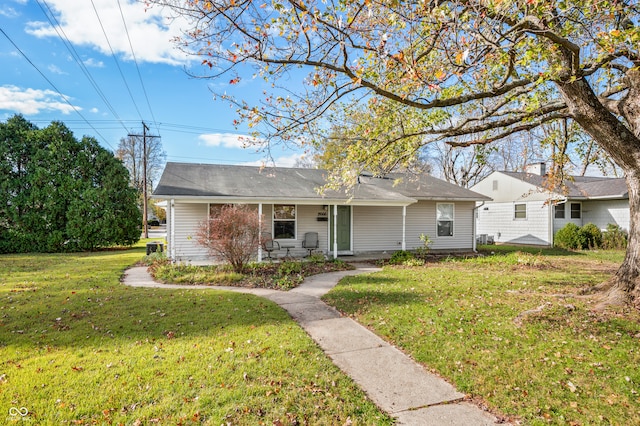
(623, 145)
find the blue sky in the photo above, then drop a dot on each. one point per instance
(42, 64)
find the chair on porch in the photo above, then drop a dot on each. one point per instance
(269, 245)
(310, 241)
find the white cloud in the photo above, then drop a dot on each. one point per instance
(284, 161)
(32, 101)
(94, 110)
(8, 12)
(56, 70)
(150, 32)
(227, 140)
(93, 63)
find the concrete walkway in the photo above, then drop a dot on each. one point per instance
(396, 383)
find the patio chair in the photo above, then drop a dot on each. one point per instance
(310, 241)
(269, 245)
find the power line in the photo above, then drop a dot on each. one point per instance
(135, 61)
(54, 87)
(74, 54)
(116, 60)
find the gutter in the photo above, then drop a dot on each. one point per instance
(473, 228)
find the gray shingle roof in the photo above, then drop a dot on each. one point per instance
(582, 187)
(248, 182)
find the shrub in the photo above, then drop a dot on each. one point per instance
(400, 257)
(289, 268)
(424, 249)
(614, 237)
(233, 234)
(591, 235)
(317, 258)
(569, 237)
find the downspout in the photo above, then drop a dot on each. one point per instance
(473, 227)
(404, 228)
(335, 231)
(260, 233)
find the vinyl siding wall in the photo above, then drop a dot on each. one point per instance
(380, 228)
(604, 212)
(187, 217)
(374, 228)
(306, 221)
(498, 219)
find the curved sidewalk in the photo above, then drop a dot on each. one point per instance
(395, 382)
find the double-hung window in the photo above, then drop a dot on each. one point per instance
(520, 211)
(576, 210)
(284, 221)
(444, 219)
(558, 211)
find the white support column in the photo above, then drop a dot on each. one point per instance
(260, 236)
(172, 230)
(404, 227)
(335, 231)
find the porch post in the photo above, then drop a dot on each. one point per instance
(404, 227)
(335, 231)
(172, 232)
(260, 234)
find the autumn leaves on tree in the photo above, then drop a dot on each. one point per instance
(457, 72)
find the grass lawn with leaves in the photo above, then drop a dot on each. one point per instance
(511, 331)
(79, 347)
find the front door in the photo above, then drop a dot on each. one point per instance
(343, 229)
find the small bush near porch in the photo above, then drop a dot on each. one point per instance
(512, 330)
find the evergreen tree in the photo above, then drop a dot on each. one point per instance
(60, 194)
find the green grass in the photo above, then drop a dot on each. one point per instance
(563, 365)
(79, 347)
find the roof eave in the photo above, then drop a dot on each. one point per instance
(273, 200)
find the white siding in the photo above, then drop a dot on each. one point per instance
(421, 219)
(187, 217)
(377, 228)
(604, 212)
(504, 188)
(374, 228)
(561, 223)
(306, 221)
(380, 228)
(497, 219)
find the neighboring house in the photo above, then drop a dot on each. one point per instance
(381, 214)
(524, 211)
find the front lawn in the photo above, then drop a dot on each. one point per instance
(509, 329)
(79, 347)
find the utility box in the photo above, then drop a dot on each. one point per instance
(154, 247)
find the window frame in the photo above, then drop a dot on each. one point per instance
(571, 211)
(452, 220)
(516, 211)
(556, 210)
(274, 219)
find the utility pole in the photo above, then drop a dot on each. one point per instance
(144, 136)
